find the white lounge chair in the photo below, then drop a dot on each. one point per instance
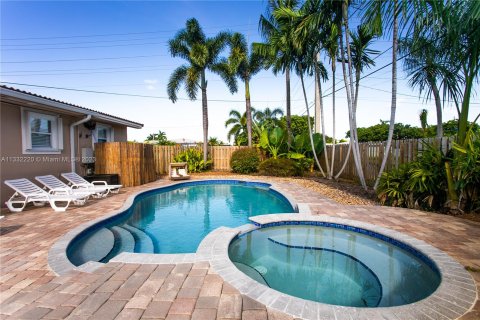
(178, 171)
(183, 173)
(96, 186)
(26, 191)
(55, 185)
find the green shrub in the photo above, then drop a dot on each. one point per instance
(279, 167)
(245, 160)
(194, 158)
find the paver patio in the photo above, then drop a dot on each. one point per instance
(30, 290)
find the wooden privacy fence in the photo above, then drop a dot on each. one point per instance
(164, 155)
(138, 163)
(371, 153)
(133, 162)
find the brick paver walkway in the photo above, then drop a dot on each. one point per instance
(29, 290)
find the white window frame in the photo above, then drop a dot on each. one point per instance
(56, 135)
(110, 131)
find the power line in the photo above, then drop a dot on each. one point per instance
(85, 59)
(126, 94)
(116, 34)
(89, 47)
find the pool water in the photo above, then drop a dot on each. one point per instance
(176, 219)
(333, 266)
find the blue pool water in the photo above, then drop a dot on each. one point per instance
(334, 266)
(176, 219)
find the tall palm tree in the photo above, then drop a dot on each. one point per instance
(428, 69)
(383, 17)
(246, 63)
(303, 55)
(331, 46)
(268, 118)
(277, 50)
(201, 54)
(361, 59)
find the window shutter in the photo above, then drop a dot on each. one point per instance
(60, 133)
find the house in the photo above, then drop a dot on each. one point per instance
(41, 135)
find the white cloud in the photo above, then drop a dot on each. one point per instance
(150, 83)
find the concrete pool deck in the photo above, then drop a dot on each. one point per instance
(29, 289)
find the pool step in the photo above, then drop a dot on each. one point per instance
(251, 272)
(124, 242)
(143, 242)
(95, 248)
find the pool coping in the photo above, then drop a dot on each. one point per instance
(455, 295)
(57, 255)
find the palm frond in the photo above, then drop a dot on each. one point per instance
(178, 77)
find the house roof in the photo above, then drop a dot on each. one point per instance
(58, 104)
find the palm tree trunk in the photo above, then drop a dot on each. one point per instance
(317, 97)
(463, 118)
(249, 112)
(394, 94)
(205, 116)
(317, 79)
(308, 121)
(330, 173)
(438, 105)
(350, 93)
(288, 117)
(352, 134)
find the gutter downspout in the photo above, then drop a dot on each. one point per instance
(72, 139)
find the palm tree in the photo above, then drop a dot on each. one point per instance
(360, 56)
(331, 46)
(429, 69)
(278, 48)
(303, 54)
(245, 64)
(386, 16)
(268, 118)
(238, 130)
(202, 54)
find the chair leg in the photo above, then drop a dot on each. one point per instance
(115, 191)
(53, 204)
(10, 206)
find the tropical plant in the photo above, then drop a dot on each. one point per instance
(423, 120)
(193, 157)
(245, 63)
(245, 160)
(272, 141)
(277, 50)
(281, 167)
(467, 166)
(202, 54)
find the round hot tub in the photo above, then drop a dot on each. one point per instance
(335, 264)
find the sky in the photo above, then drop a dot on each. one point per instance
(120, 47)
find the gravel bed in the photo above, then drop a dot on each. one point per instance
(341, 192)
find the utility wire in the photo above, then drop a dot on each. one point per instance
(125, 94)
(85, 59)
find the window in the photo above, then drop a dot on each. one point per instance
(104, 133)
(41, 133)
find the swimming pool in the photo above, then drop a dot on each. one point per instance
(175, 219)
(335, 264)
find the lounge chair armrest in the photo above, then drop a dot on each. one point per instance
(80, 185)
(60, 190)
(100, 182)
